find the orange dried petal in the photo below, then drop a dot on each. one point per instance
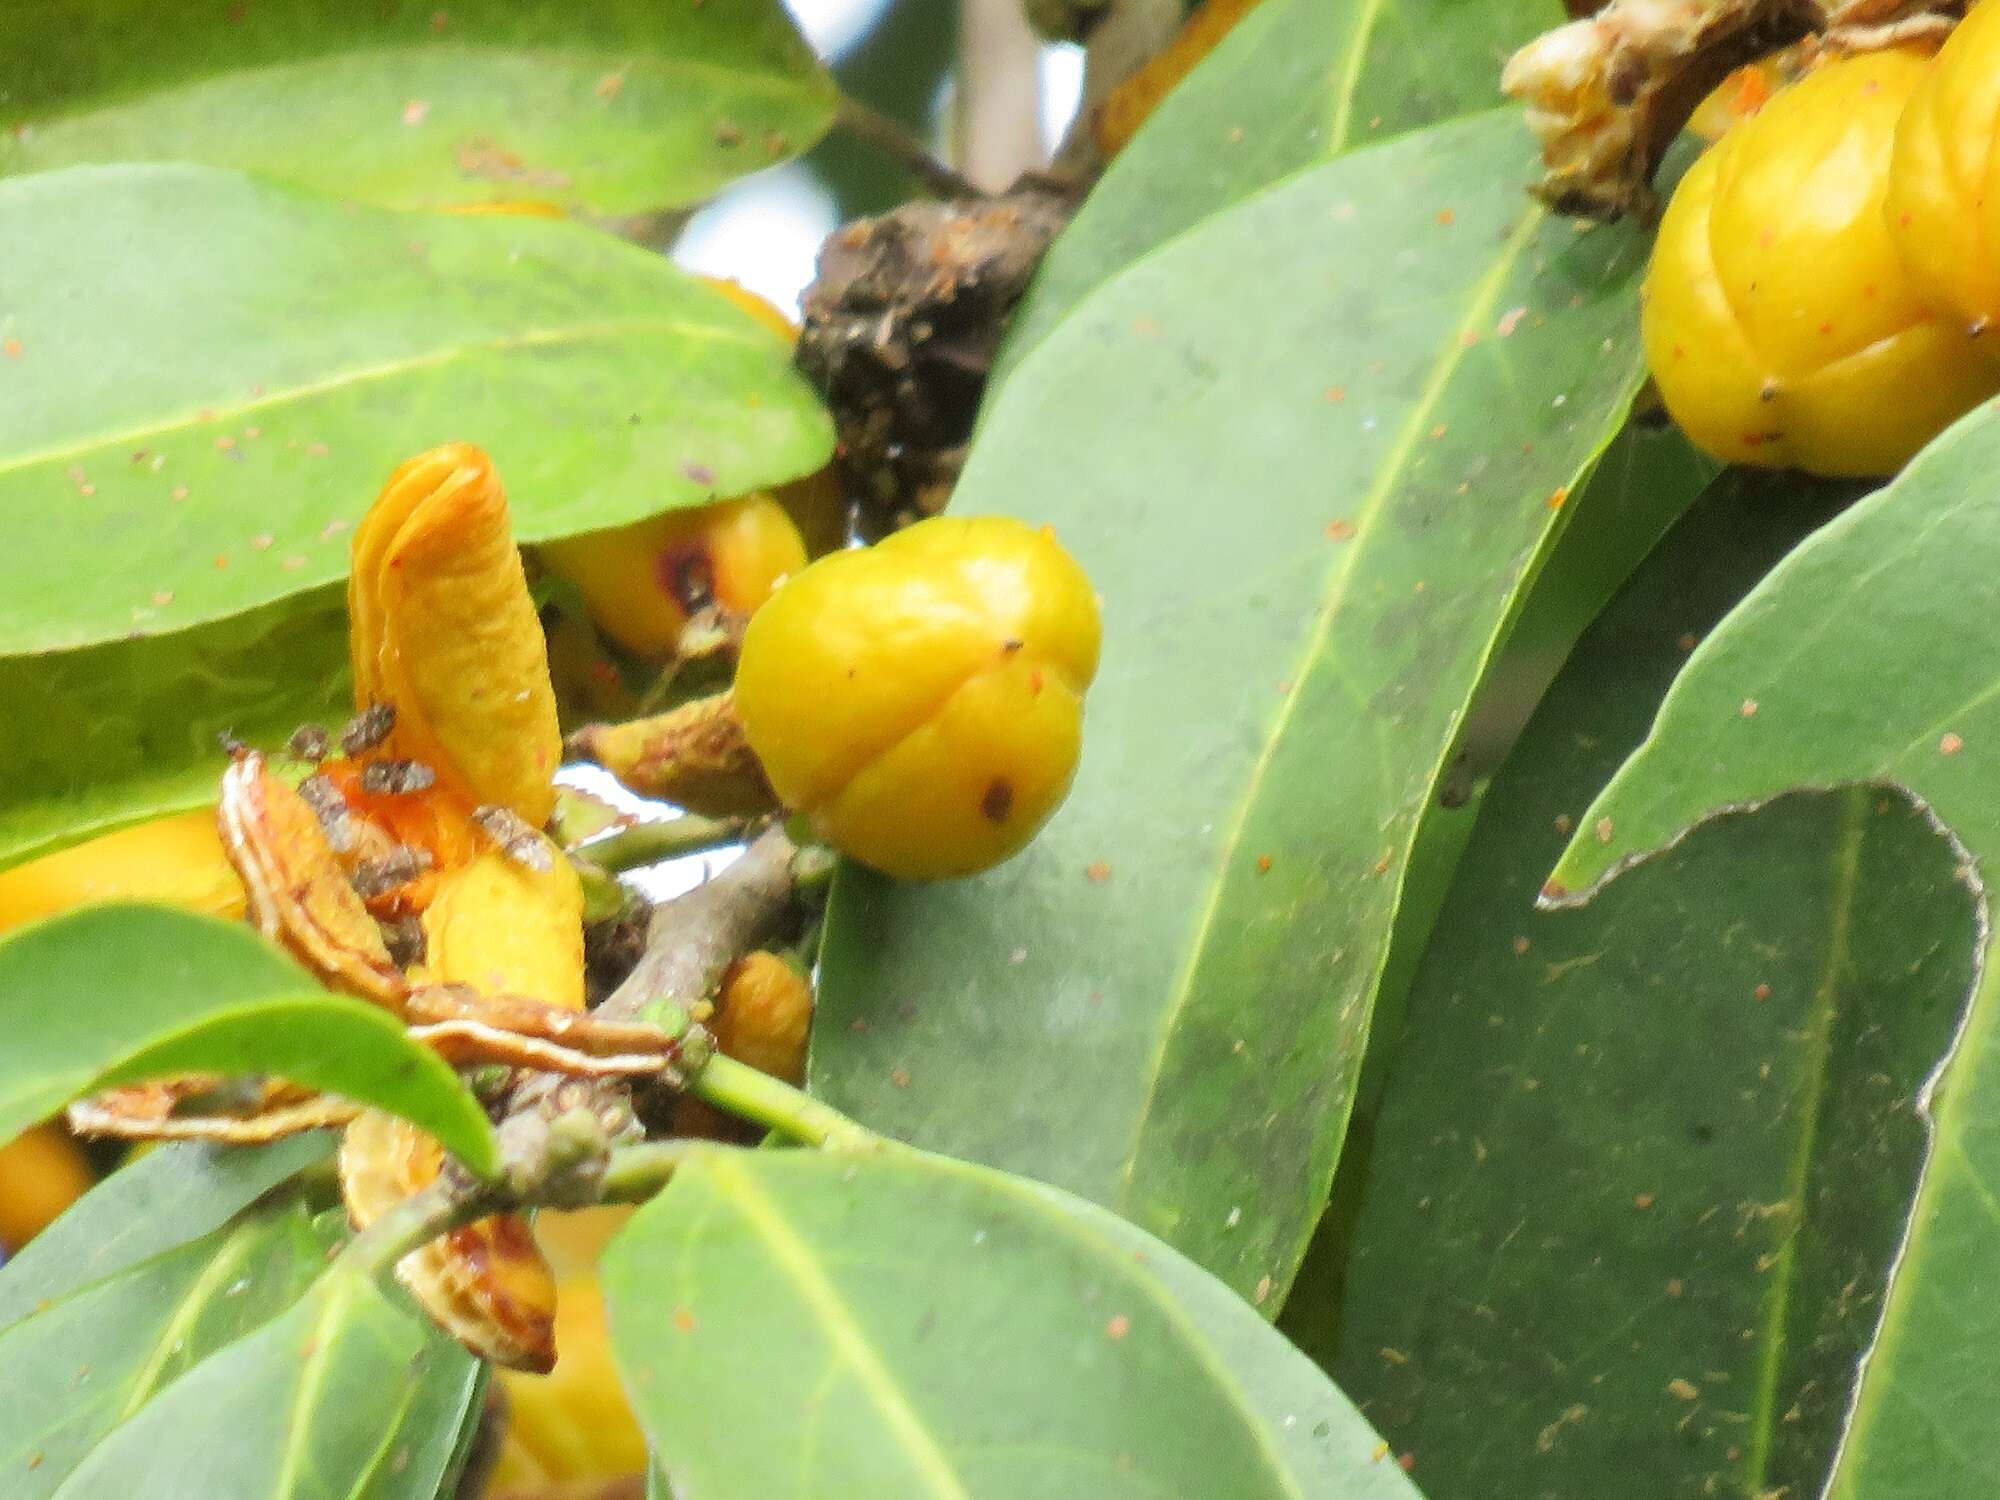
(298, 892)
(442, 628)
(487, 1284)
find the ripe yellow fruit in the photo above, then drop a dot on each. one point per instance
(1778, 320)
(1942, 210)
(642, 582)
(922, 700)
(177, 860)
(41, 1174)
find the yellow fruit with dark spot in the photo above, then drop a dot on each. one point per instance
(922, 700)
(41, 1173)
(1779, 322)
(1942, 210)
(176, 860)
(642, 582)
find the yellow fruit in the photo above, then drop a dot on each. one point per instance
(641, 582)
(573, 1423)
(41, 1174)
(764, 1016)
(177, 860)
(1778, 320)
(922, 700)
(1943, 212)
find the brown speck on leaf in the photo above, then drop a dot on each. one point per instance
(1509, 321)
(1642, 1201)
(262, 542)
(11, 348)
(1263, 1291)
(292, 564)
(1439, 431)
(438, 20)
(1098, 873)
(1339, 531)
(1520, 946)
(1263, 864)
(1564, 823)
(700, 473)
(1145, 328)
(1558, 496)
(1118, 1327)
(1336, 394)
(1407, 1462)
(776, 144)
(1446, 217)
(225, 442)
(1554, 890)
(251, 434)
(1393, 1356)
(331, 530)
(1951, 744)
(684, 1319)
(997, 801)
(1675, 1287)
(1683, 1390)
(1749, 709)
(1603, 830)
(1688, 641)
(163, 597)
(609, 85)
(727, 134)
(316, 450)
(414, 112)
(221, 561)
(900, 1077)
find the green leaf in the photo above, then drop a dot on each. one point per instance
(189, 444)
(906, 1325)
(1297, 82)
(605, 105)
(114, 734)
(76, 1369)
(350, 1393)
(117, 993)
(1625, 1216)
(1846, 666)
(1307, 454)
(175, 1193)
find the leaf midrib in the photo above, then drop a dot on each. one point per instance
(795, 1260)
(207, 415)
(1478, 309)
(1819, 1041)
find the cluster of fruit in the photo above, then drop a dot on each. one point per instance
(1825, 284)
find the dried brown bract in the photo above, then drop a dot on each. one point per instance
(900, 332)
(1608, 94)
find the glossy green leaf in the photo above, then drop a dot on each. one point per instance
(350, 1393)
(76, 1369)
(188, 444)
(1297, 82)
(610, 105)
(118, 733)
(1856, 661)
(175, 1193)
(1628, 1208)
(905, 1325)
(117, 993)
(1307, 454)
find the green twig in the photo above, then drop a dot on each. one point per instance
(895, 140)
(764, 1100)
(413, 1223)
(635, 1173)
(648, 843)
